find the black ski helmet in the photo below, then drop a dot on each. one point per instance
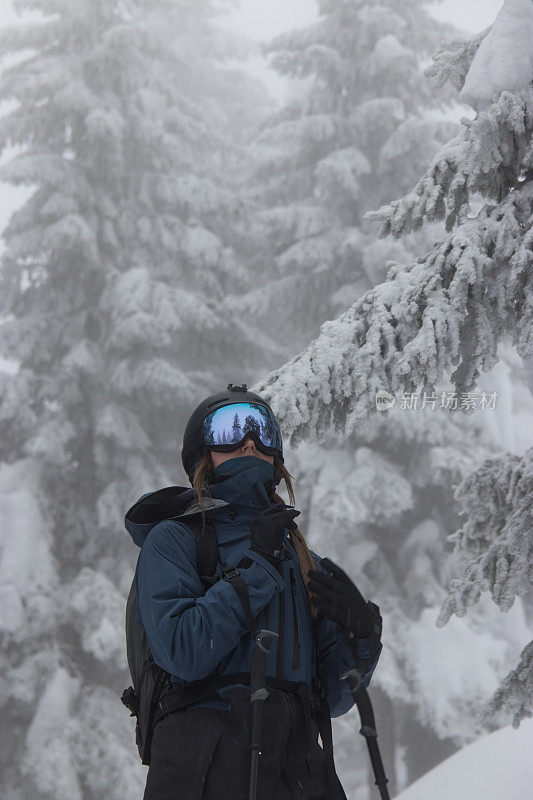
(193, 447)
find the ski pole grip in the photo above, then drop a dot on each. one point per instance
(263, 641)
(259, 692)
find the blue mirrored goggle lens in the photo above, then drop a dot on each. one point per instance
(230, 424)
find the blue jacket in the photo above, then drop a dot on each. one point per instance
(191, 633)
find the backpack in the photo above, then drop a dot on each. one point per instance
(148, 679)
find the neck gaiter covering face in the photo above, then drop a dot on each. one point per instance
(233, 466)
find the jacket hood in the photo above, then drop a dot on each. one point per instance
(172, 502)
(244, 491)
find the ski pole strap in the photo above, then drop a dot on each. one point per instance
(233, 575)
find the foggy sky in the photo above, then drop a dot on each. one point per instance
(261, 20)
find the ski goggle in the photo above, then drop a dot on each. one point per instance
(225, 428)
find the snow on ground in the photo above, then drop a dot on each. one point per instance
(504, 60)
(498, 766)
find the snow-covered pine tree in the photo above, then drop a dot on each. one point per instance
(363, 107)
(111, 283)
(452, 308)
(497, 498)
(354, 136)
(448, 309)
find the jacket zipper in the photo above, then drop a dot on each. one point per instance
(296, 645)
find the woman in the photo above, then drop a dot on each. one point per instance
(233, 454)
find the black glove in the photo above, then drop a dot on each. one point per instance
(268, 531)
(339, 599)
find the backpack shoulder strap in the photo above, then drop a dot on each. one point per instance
(206, 541)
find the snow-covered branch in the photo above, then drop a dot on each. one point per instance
(451, 63)
(490, 156)
(498, 501)
(515, 695)
(451, 309)
(404, 334)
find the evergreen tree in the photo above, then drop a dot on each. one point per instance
(353, 137)
(452, 307)
(448, 311)
(112, 280)
(237, 432)
(251, 425)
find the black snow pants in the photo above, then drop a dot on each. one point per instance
(203, 753)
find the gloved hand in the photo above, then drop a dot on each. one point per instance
(339, 599)
(268, 530)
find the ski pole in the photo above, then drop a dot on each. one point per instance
(259, 693)
(368, 728)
